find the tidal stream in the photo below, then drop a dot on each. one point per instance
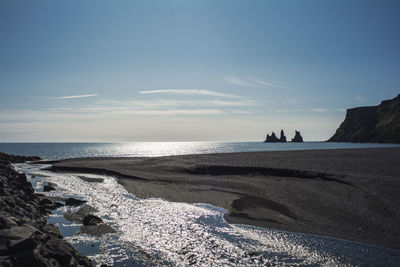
(151, 232)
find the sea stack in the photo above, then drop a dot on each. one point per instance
(271, 138)
(297, 137)
(374, 124)
(283, 137)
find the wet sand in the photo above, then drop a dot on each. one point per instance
(352, 194)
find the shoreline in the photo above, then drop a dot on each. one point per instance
(346, 193)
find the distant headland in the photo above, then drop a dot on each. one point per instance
(374, 124)
(282, 139)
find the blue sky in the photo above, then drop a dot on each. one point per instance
(191, 70)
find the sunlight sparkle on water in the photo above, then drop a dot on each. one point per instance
(155, 231)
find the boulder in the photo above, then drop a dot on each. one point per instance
(74, 202)
(48, 188)
(96, 230)
(25, 237)
(91, 220)
(80, 214)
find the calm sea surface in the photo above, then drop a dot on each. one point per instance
(154, 149)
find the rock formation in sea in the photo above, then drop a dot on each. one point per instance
(297, 137)
(373, 124)
(271, 138)
(283, 137)
(25, 237)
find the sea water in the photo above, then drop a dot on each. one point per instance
(154, 149)
(155, 232)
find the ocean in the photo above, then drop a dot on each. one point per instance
(156, 232)
(155, 149)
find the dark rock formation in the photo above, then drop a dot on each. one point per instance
(297, 137)
(25, 237)
(273, 139)
(96, 230)
(5, 159)
(48, 188)
(92, 225)
(375, 124)
(283, 137)
(91, 219)
(74, 202)
(80, 214)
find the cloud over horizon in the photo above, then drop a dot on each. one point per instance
(76, 96)
(202, 92)
(252, 82)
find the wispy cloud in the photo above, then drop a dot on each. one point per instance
(76, 96)
(320, 110)
(172, 103)
(177, 112)
(189, 92)
(267, 83)
(241, 112)
(252, 82)
(238, 81)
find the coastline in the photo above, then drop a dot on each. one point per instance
(346, 193)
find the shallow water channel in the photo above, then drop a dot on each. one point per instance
(151, 232)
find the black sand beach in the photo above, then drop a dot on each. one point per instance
(350, 193)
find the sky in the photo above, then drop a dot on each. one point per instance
(206, 70)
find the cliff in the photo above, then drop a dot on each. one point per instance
(375, 124)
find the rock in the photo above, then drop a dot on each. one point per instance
(47, 205)
(271, 138)
(80, 214)
(3, 247)
(51, 230)
(96, 230)
(48, 188)
(24, 244)
(25, 237)
(6, 221)
(51, 184)
(91, 179)
(45, 201)
(91, 220)
(374, 124)
(62, 253)
(297, 137)
(283, 137)
(74, 202)
(16, 159)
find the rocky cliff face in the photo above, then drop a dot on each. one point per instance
(376, 124)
